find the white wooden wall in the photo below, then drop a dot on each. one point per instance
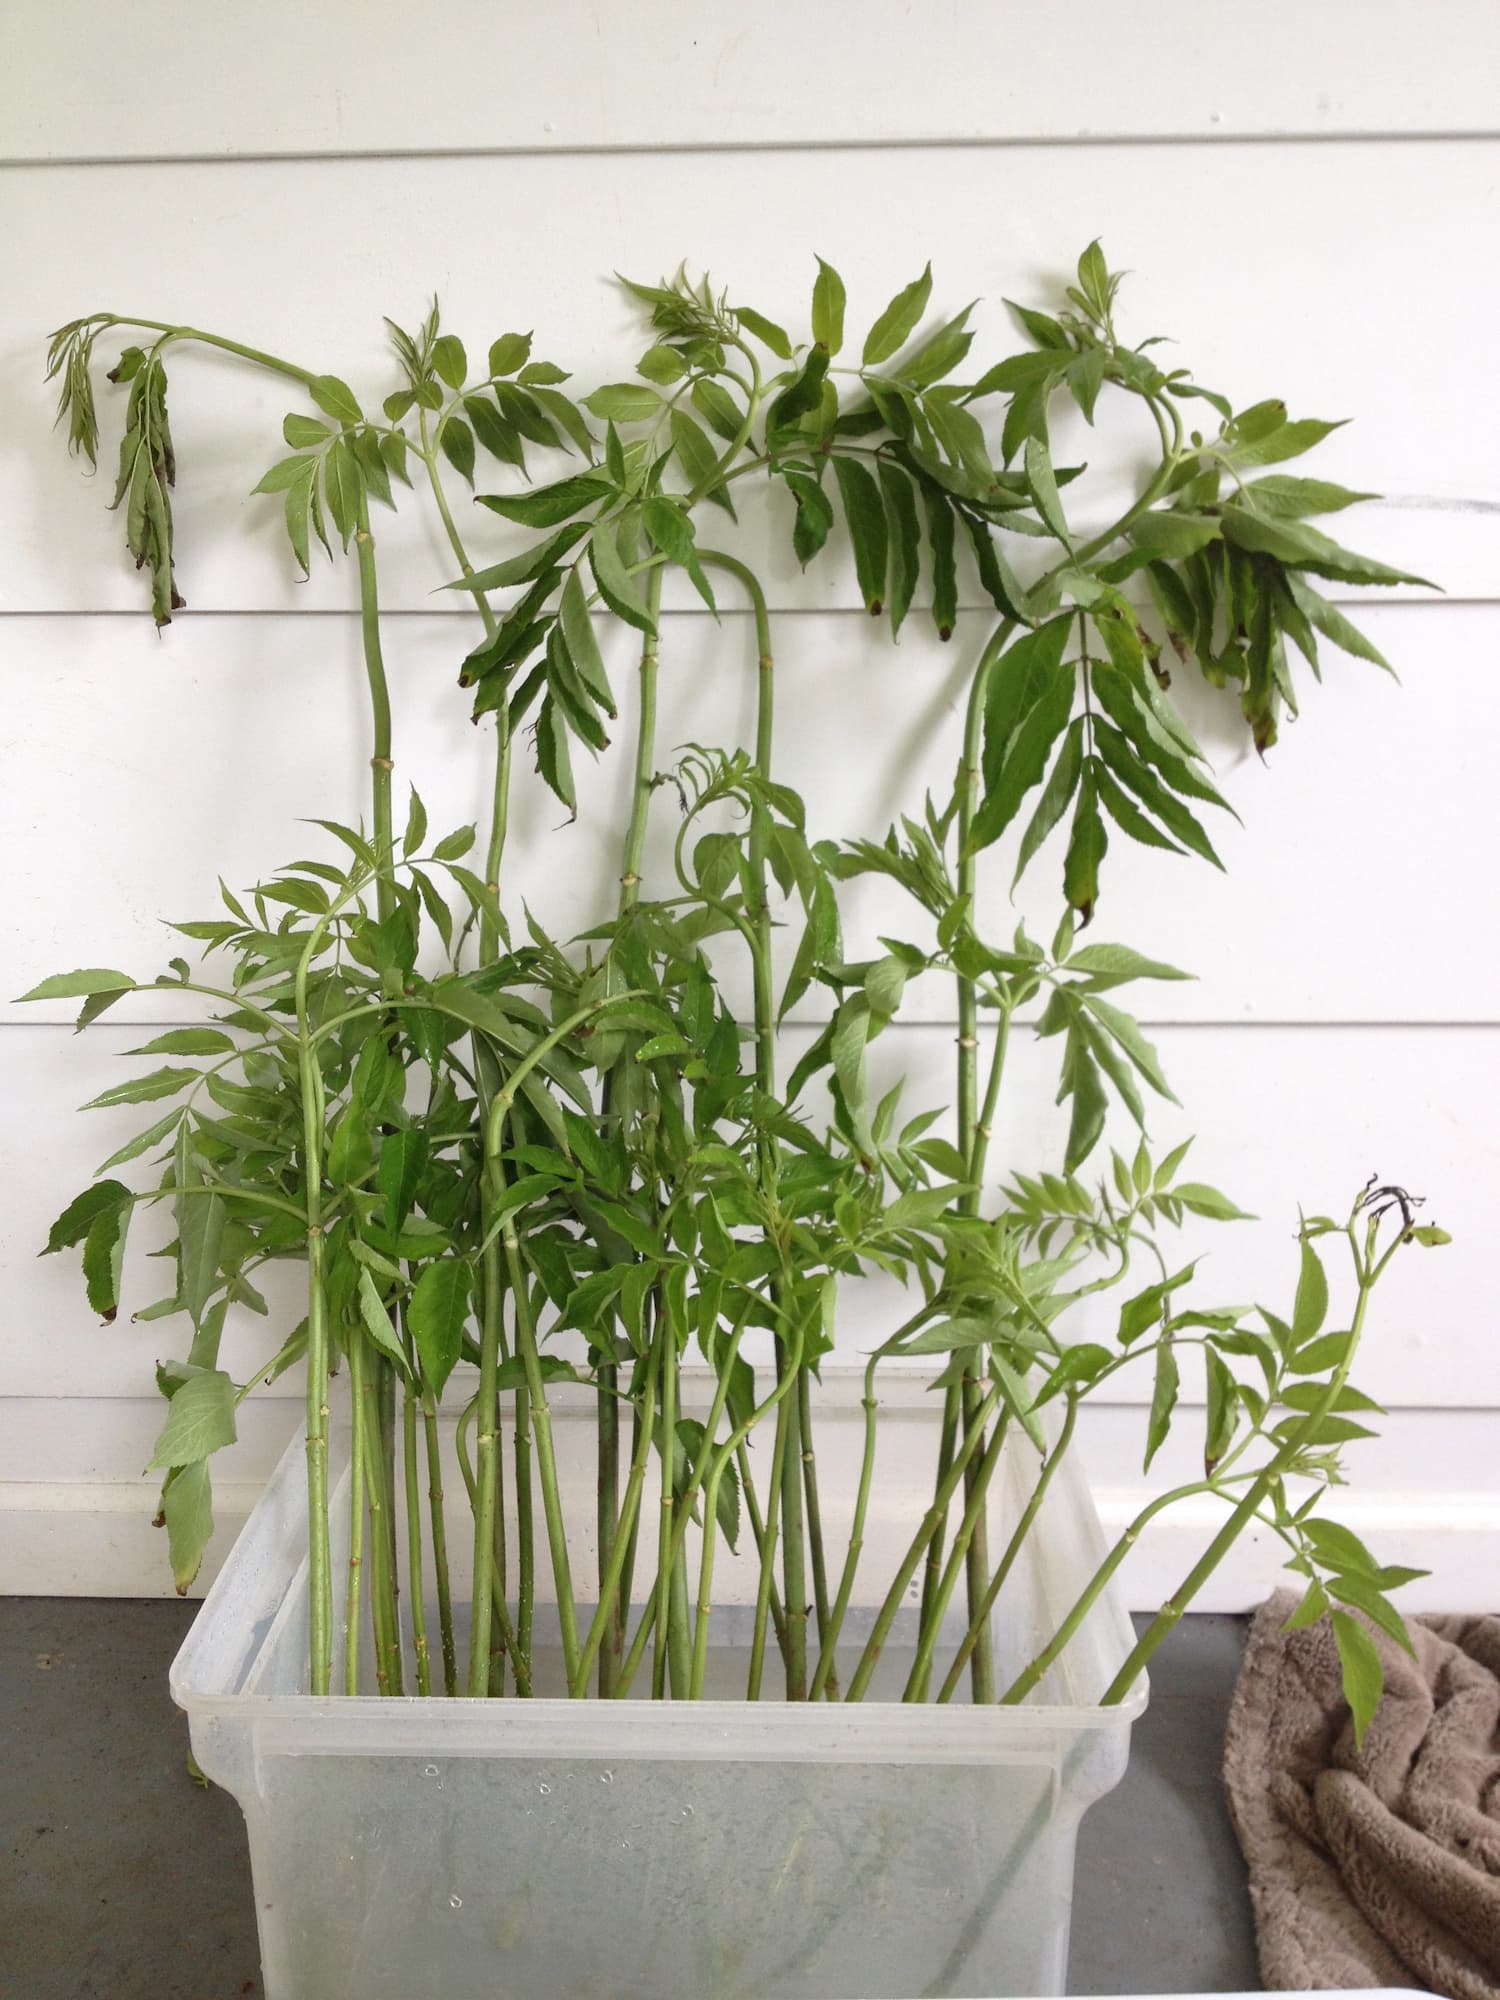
(1310, 198)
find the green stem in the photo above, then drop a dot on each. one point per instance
(487, 1479)
(546, 1462)
(767, 1567)
(439, 1527)
(385, 1396)
(356, 1530)
(364, 1388)
(969, 1120)
(798, 1468)
(814, 1518)
(306, 376)
(1025, 1681)
(508, 1642)
(612, 1649)
(1255, 1495)
(414, 1540)
(973, 1514)
(606, 1615)
(1013, 1549)
(931, 1521)
(830, 1628)
(666, 1335)
(758, 1535)
(319, 1576)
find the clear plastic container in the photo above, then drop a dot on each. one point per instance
(632, 1850)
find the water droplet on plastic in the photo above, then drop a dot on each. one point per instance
(455, 1902)
(624, 1843)
(430, 1771)
(606, 1777)
(545, 1790)
(687, 1812)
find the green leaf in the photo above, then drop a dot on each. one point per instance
(74, 985)
(1028, 754)
(200, 1236)
(548, 505)
(377, 1322)
(103, 1256)
(1090, 1105)
(302, 433)
(416, 826)
(617, 587)
(1044, 489)
(583, 647)
(453, 846)
(449, 360)
(1201, 1199)
(1223, 1407)
(399, 1172)
(802, 396)
(905, 559)
(554, 761)
(187, 1509)
(1163, 1401)
(1294, 543)
(142, 1142)
(1311, 1607)
(1087, 845)
(336, 399)
(1327, 1351)
(1274, 440)
(865, 512)
(697, 457)
(670, 529)
(828, 308)
(1093, 279)
(73, 1225)
(351, 1153)
(565, 415)
(1119, 962)
(165, 1082)
(1363, 1675)
(814, 516)
(187, 1043)
(940, 354)
(662, 365)
(623, 402)
(1368, 1597)
(719, 408)
(457, 441)
(436, 1316)
(1122, 759)
(944, 569)
(895, 325)
(1294, 498)
(765, 330)
(1078, 1363)
(1015, 1394)
(1311, 1307)
(1057, 795)
(1332, 623)
(1173, 537)
(200, 1420)
(1141, 1053)
(1016, 682)
(510, 352)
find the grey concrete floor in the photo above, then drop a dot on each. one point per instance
(120, 1877)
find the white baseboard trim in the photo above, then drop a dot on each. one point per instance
(77, 1538)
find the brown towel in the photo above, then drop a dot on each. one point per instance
(1377, 1866)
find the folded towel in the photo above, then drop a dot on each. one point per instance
(1377, 1865)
